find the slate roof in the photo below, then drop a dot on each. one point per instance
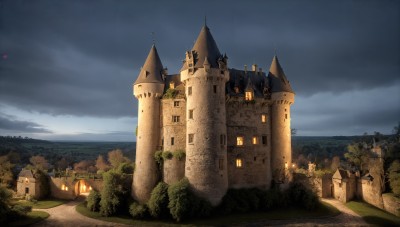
(151, 71)
(279, 82)
(26, 173)
(245, 80)
(205, 46)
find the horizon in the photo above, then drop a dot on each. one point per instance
(72, 78)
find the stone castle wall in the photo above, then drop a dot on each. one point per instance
(32, 184)
(244, 120)
(173, 170)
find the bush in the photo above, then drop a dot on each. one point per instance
(158, 157)
(125, 167)
(158, 202)
(112, 193)
(93, 201)
(167, 155)
(138, 211)
(394, 177)
(179, 154)
(301, 196)
(179, 203)
(21, 210)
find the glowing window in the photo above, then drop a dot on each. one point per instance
(238, 163)
(254, 140)
(176, 103)
(249, 95)
(172, 85)
(26, 180)
(190, 138)
(263, 118)
(239, 140)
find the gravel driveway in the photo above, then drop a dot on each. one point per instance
(66, 215)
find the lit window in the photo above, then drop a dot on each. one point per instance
(286, 165)
(249, 95)
(264, 140)
(263, 118)
(172, 141)
(190, 114)
(175, 118)
(172, 85)
(239, 140)
(238, 163)
(66, 188)
(26, 180)
(254, 140)
(189, 90)
(176, 103)
(190, 138)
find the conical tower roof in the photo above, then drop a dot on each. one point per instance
(279, 82)
(151, 71)
(205, 46)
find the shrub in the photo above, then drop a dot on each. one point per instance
(93, 201)
(301, 196)
(179, 203)
(170, 93)
(394, 177)
(179, 154)
(112, 193)
(21, 210)
(158, 202)
(158, 157)
(125, 167)
(138, 211)
(167, 155)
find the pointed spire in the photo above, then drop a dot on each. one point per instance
(249, 85)
(205, 46)
(152, 69)
(279, 82)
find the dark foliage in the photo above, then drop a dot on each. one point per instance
(158, 202)
(139, 211)
(93, 201)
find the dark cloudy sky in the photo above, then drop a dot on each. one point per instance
(67, 67)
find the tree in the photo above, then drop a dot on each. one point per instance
(116, 157)
(93, 201)
(394, 177)
(113, 192)
(101, 164)
(39, 162)
(83, 166)
(6, 174)
(62, 164)
(358, 155)
(158, 202)
(335, 163)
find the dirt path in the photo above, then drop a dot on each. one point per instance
(66, 215)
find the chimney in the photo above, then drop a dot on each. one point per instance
(254, 67)
(245, 68)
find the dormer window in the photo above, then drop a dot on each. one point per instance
(249, 95)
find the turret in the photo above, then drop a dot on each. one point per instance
(205, 74)
(148, 89)
(282, 96)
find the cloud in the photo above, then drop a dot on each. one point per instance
(10, 124)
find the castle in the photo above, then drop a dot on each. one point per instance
(233, 125)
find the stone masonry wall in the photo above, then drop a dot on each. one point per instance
(244, 120)
(173, 170)
(391, 204)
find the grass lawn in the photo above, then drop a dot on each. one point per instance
(373, 215)
(32, 218)
(42, 204)
(288, 213)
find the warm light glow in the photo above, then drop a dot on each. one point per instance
(286, 165)
(249, 95)
(263, 118)
(90, 188)
(238, 163)
(84, 188)
(239, 140)
(293, 165)
(63, 187)
(254, 140)
(66, 188)
(26, 180)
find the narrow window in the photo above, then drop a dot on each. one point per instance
(238, 163)
(221, 139)
(189, 90)
(176, 103)
(249, 95)
(264, 140)
(172, 141)
(254, 140)
(190, 114)
(175, 118)
(263, 118)
(285, 116)
(172, 85)
(215, 89)
(221, 164)
(239, 141)
(255, 158)
(190, 138)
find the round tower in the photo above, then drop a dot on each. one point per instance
(148, 89)
(205, 74)
(282, 96)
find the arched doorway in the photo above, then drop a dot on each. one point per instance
(82, 188)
